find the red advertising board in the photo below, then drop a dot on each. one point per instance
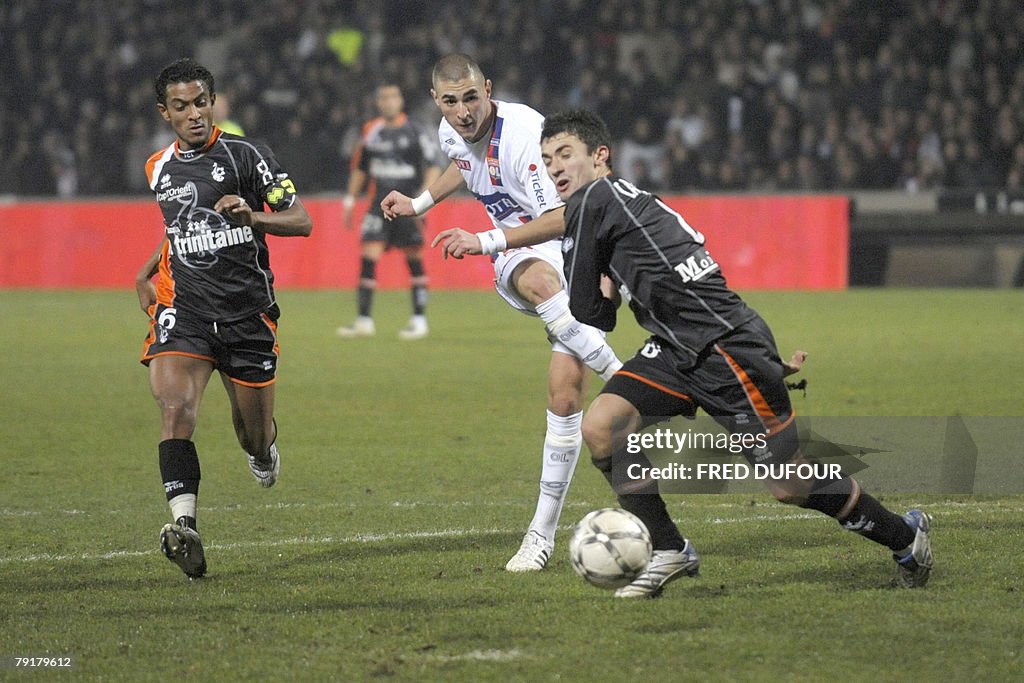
(769, 242)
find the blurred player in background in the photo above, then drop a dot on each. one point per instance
(493, 150)
(708, 350)
(394, 154)
(213, 305)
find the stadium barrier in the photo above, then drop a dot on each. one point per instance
(761, 242)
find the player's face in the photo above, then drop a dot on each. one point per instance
(189, 110)
(465, 105)
(390, 101)
(569, 163)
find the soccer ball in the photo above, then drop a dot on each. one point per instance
(610, 547)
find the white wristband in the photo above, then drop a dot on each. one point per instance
(492, 241)
(348, 201)
(422, 203)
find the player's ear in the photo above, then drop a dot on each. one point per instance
(487, 88)
(601, 155)
(163, 111)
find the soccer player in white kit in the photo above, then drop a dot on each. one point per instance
(494, 149)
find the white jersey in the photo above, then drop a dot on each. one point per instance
(504, 171)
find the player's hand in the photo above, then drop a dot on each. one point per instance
(456, 242)
(610, 291)
(396, 204)
(234, 207)
(794, 364)
(147, 294)
(346, 218)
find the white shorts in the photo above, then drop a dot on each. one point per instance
(506, 263)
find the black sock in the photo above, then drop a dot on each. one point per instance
(859, 512)
(367, 283)
(419, 285)
(179, 467)
(644, 501)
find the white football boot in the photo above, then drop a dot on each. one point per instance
(665, 566)
(533, 554)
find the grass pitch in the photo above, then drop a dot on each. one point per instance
(409, 474)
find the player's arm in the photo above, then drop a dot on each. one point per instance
(293, 221)
(397, 204)
(589, 290)
(356, 182)
(144, 286)
(456, 242)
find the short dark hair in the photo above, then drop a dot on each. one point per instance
(454, 67)
(184, 70)
(584, 124)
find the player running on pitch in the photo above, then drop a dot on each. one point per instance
(494, 151)
(213, 306)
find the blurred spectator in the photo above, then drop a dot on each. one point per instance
(808, 94)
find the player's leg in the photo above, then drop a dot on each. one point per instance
(247, 361)
(748, 363)
(611, 418)
(417, 327)
(252, 414)
(562, 443)
(177, 383)
(539, 283)
(371, 247)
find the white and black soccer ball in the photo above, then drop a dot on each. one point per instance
(610, 547)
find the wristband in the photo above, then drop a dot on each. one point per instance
(422, 203)
(348, 202)
(492, 241)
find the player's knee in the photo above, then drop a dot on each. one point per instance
(536, 281)
(178, 414)
(598, 437)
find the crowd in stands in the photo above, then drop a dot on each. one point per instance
(700, 95)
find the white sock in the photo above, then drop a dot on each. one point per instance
(585, 341)
(562, 444)
(183, 505)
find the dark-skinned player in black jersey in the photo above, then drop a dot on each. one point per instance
(213, 305)
(707, 350)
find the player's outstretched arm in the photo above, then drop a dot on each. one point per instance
(144, 286)
(456, 242)
(397, 204)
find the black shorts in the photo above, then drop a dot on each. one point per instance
(246, 350)
(404, 231)
(738, 381)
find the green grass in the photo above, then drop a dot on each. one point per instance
(410, 472)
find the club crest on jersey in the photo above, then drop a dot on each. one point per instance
(494, 171)
(218, 172)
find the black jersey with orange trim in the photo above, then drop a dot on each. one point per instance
(659, 262)
(394, 157)
(212, 267)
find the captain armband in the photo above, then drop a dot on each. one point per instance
(492, 241)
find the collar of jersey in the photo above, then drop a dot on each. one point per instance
(189, 154)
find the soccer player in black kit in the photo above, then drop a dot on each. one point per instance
(393, 154)
(707, 350)
(213, 305)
